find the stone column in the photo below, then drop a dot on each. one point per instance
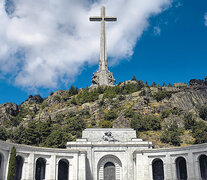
(197, 167)
(142, 166)
(51, 167)
(168, 167)
(103, 55)
(30, 172)
(24, 168)
(190, 167)
(82, 166)
(5, 165)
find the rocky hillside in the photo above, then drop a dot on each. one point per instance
(168, 116)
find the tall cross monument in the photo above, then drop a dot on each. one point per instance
(103, 76)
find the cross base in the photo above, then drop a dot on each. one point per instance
(103, 78)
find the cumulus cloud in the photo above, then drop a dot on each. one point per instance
(205, 18)
(44, 43)
(157, 31)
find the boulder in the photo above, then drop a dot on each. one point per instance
(11, 109)
(35, 99)
(196, 82)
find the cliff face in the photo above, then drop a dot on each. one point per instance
(105, 106)
(188, 99)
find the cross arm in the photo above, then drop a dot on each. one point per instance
(110, 19)
(95, 18)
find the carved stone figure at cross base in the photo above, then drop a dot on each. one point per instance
(103, 76)
(108, 137)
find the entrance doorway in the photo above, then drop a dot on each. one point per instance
(109, 171)
(157, 169)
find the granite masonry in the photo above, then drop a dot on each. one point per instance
(103, 76)
(106, 154)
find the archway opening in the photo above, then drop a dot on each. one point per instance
(157, 169)
(203, 166)
(18, 168)
(181, 168)
(40, 169)
(63, 170)
(109, 171)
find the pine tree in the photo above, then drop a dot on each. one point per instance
(3, 133)
(73, 91)
(153, 84)
(169, 85)
(12, 159)
(134, 78)
(32, 134)
(44, 129)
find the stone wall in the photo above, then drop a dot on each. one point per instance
(133, 159)
(52, 156)
(191, 154)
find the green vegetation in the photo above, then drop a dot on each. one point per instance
(143, 93)
(169, 85)
(15, 121)
(87, 96)
(203, 112)
(144, 123)
(3, 133)
(160, 95)
(199, 132)
(189, 121)
(75, 125)
(12, 159)
(57, 98)
(106, 124)
(175, 111)
(110, 116)
(91, 95)
(134, 78)
(153, 84)
(49, 134)
(172, 134)
(114, 106)
(73, 91)
(58, 138)
(129, 113)
(59, 118)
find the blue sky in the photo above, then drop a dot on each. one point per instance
(171, 48)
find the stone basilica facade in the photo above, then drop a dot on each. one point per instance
(106, 154)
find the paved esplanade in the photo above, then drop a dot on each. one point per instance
(103, 76)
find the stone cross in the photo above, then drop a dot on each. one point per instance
(103, 62)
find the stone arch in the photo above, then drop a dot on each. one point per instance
(157, 169)
(181, 168)
(110, 159)
(1, 166)
(203, 166)
(63, 169)
(40, 169)
(18, 167)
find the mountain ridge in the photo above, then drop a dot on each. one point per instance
(158, 113)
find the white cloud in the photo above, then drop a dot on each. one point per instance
(205, 18)
(55, 38)
(157, 31)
